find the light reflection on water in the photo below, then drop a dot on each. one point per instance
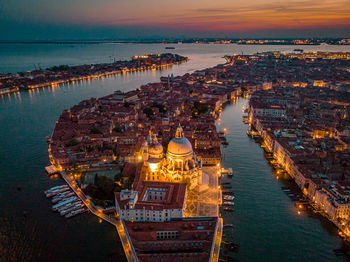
(265, 223)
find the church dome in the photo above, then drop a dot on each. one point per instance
(179, 145)
(156, 149)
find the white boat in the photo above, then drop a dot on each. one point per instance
(55, 187)
(76, 212)
(71, 199)
(62, 196)
(56, 192)
(50, 191)
(71, 209)
(69, 205)
(228, 197)
(228, 203)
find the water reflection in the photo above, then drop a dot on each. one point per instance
(265, 218)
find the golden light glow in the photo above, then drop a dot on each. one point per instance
(153, 167)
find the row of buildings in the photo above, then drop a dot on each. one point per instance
(163, 134)
(115, 127)
(57, 75)
(305, 126)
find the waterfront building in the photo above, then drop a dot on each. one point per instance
(180, 164)
(334, 200)
(189, 239)
(151, 201)
(271, 110)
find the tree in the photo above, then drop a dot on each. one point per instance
(148, 111)
(72, 142)
(95, 130)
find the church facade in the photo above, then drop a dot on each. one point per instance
(179, 164)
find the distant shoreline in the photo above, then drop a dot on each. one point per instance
(297, 42)
(63, 74)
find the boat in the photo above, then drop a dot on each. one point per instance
(227, 197)
(53, 188)
(169, 47)
(56, 192)
(67, 206)
(245, 119)
(56, 188)
(75, 207)
(341, 251)
(233, 247)
(55, 207)
(228, 209)
(76, 212)
(228, 203)
(228, 225)
(60, 197)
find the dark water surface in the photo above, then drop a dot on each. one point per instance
(266, 225)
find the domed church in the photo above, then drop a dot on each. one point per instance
(180, 164)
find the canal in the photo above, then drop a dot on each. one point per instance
(266, 224)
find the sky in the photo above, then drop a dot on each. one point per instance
(138, 19)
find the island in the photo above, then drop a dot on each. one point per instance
(59, 75)
(148, 161)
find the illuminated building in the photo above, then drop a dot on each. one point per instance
(180, 164)
(151, 202)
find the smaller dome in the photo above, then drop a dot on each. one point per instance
(156, 149)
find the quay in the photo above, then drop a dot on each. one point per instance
(124, 237)
(114, 220)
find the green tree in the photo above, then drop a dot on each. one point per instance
(148, 111)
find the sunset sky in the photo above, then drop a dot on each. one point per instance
(91, 19)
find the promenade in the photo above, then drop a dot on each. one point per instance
(114, 220)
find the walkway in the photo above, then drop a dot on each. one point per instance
(115, 221)
(217, 243)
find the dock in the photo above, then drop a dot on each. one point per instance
(51, 170)
(128, 247)
(227, 171)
